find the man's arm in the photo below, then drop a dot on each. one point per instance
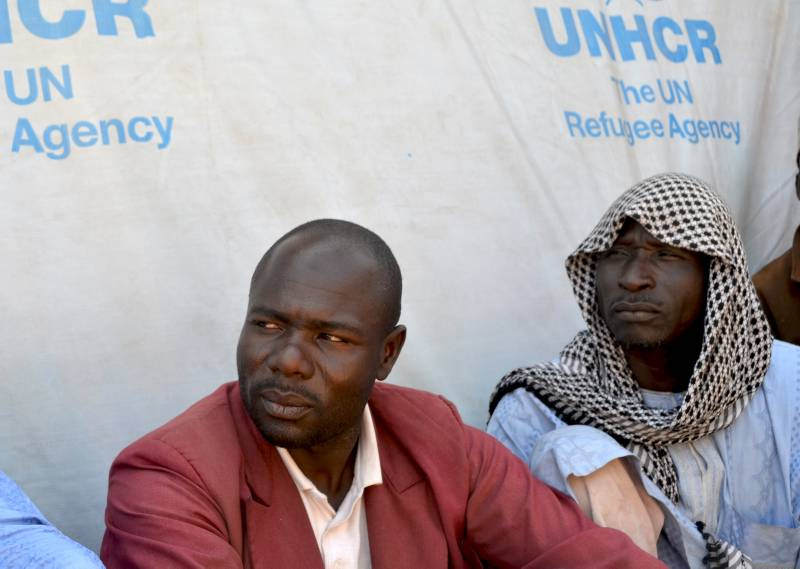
(160, 514)
(28, 540)
(515, 520)
(519, 421)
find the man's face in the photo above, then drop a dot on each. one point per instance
(313, 343)
(649, 293)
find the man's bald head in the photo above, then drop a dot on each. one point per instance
(355, 239)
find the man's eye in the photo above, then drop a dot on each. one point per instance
(614, 253)
(266, 324)
(667, 254)
(332, 338)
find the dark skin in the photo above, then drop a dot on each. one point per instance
(315, 339)
(652, 297)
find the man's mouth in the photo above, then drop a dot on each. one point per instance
(286, 406)
(635, 311)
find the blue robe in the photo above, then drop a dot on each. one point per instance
(755, 496)
(27, 540)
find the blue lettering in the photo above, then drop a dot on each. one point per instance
(104, 130)
(5, 23)
(626, 38)
(641, 129)
(58, 140)
(24, 135)
(164, 131)
(84, 134)
(690, 129)
(592, 29)
(674, 127)
(59, 143)
(33, 87)
(573, 43)
(657, 127)
(680, 53)
(31, 15)
(683, 93)
(574, 123)
(702, 36)
(666, 33)
(105, 12)
(593, 127)
(135, 136)
(628, 131)
(648, 94)
(676, 92)
(631, 92)
(46, 77)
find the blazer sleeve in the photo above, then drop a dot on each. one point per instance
(515, 520)
(160, 514)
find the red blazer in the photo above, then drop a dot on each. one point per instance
(206, 491)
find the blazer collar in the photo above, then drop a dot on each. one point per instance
(263, 467)
(264, 472)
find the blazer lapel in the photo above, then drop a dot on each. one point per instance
(279, 534)
(402, 516)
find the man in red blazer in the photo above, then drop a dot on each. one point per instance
(306, 463)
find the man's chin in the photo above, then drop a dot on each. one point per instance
(632, 337)
(640, 341)
(642, 344)
(284, 439)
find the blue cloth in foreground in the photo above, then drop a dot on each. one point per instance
(27, 540)
(755, 505)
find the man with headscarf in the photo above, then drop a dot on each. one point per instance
(673, 416)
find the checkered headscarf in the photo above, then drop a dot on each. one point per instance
(592, 383)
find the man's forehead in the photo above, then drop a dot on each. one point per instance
(327, 257)
(319, 278)
(631, 228)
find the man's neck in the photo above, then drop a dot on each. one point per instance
(665, 367)
(650, 367)
(331, 465)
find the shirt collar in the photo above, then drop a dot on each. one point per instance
(367, 469)
(795, 274)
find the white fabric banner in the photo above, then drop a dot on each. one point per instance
(151, 152)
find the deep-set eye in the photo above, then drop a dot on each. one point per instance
(332, 338)
(668, 254)
(614, 252)
(266, 324)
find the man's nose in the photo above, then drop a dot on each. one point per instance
(289, 357)
(637, 273)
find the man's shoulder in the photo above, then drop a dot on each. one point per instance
(777, 270)
(408, 418)
(204, 429)
(784, 367)
(396, 401)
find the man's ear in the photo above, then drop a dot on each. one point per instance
(392, 345)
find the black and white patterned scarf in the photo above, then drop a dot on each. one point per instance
(592, 383)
